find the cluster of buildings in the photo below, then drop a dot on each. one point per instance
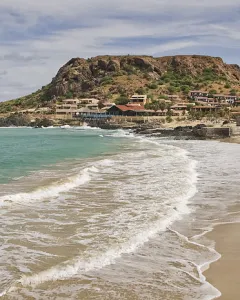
(77, 107)
(71, 106)
(206, 97)
(202, 102)
(91, 107)
(94, 108)
(135, 107)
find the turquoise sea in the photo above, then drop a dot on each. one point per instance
(93, 214)
(26, 149)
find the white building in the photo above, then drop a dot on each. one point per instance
(138, 99)
(88, 101)
(68, 107)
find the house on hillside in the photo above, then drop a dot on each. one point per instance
(43, 110)
(85, 101)
(166, 101)
(201, 99)
(92, 106)
(194, 94)
(28, 111)
(219, 97)
(70, 101)
(174, 98)
(138, 99)
(230, 99)
(162, 112)
(68, 107)
(181, 106)
(207, 108)
(212, 101)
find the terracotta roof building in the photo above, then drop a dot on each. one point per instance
(127, 110)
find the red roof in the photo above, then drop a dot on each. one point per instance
(130, 107)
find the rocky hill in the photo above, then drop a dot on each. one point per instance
(108, 77)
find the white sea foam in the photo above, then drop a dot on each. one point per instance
(120, 133)
(86, 127)
(143, 193)
(52, 190)
(81, 265)
(3, 293)
(106, 162)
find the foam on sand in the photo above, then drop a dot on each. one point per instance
(81, 265)
(50, 191)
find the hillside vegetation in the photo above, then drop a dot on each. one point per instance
(109, 77)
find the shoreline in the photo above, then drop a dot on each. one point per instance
(216, 235)
(177, 133)
(176, 130)
(224, 273)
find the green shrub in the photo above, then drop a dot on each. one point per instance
(212, 92)
(151, 97)
(146, 76)
(171, 89)
(160, 82)
(152, 86)
(140, 91)
(163, 97)
(233, 92)
(130, 69)
(227, 85)
(169, 119)
(185, 88)
(122, 100)
(106, 80)
(68, 95)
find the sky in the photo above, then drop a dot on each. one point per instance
(38, 37)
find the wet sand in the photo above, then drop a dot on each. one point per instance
(233, 139)
(224, 274)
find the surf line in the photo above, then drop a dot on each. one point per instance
(51, 191)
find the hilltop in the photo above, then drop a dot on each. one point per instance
(108, 77)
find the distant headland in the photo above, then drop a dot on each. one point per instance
(171, 89)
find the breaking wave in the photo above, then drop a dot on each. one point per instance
(175, 209)
(52, 190)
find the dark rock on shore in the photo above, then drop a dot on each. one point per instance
(198, 132)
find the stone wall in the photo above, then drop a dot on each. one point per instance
(212, 132)
(238, 121)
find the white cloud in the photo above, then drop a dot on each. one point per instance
(31, 55)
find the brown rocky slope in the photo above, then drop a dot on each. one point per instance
(107, 77)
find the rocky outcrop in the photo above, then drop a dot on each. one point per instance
(102, 76)
(213, 133)
(81, 76)
(186, 132)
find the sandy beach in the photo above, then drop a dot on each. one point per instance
(233, 139)
(224, 274)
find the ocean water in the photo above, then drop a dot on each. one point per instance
(94, 214)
